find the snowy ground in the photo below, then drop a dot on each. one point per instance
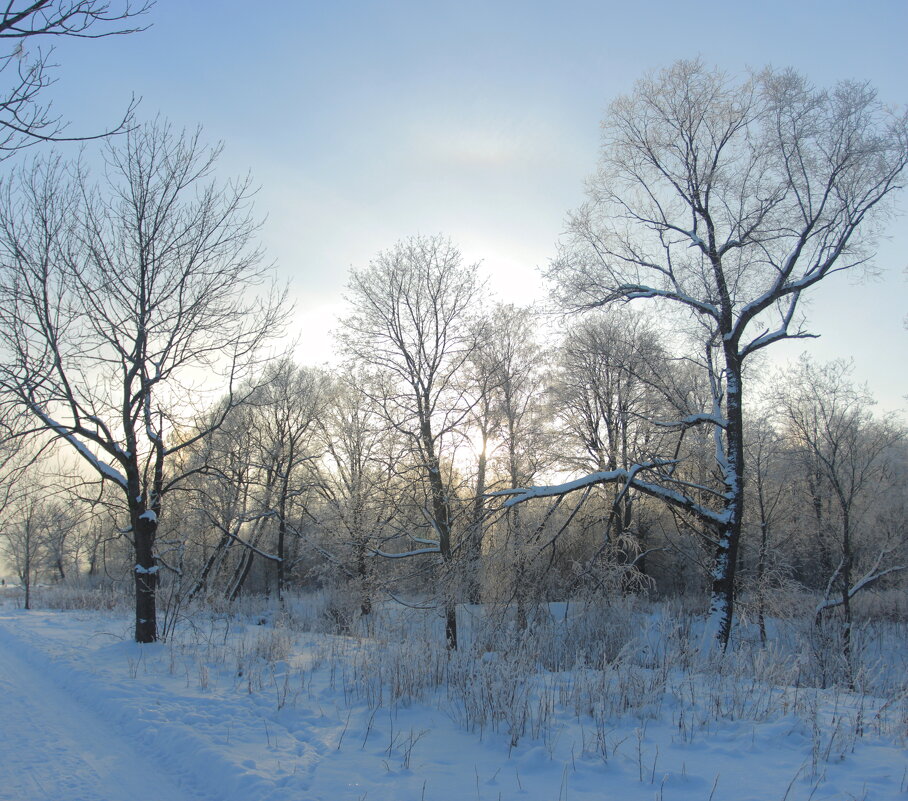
(245, 712)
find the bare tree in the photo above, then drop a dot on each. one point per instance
(359, 482)
(120, 304)
(27, 72)
(411, 322)
(286, 409)
(483, 371)
(256, 475)
(613, 386)
(844, 459)
(769, 493)
(24, 541)
(15, 456)
(725, 202)
(519, 396)
(226, 497)
(506, 382)
(35, 531)
(62, 521)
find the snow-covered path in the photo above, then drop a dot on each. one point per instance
(54, 747)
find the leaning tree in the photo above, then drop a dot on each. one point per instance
(122, 304)
(727, 201)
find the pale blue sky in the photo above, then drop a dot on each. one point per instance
(366, 122)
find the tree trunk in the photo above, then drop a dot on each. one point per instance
(761, 570)
(521, 590)
(814, 481)
(201, 583)
(362, 572)
(441, 518)
(722, 605)
(240, 574)
(27, 575)
(145, 527)
(281, 537)
(451, 624)
(847, 559)
(476, 532)
(93, 559)
(521, 567)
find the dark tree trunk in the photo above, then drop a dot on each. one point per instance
(847, 559)
(217, 553)
(451, 624)
(521, 590)
(241, 574)
(761, 563)
(93, 560)
(145, 527)
(27, 575)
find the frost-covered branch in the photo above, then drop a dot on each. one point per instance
(873, 575)
(691, 420)
(101, 467)
(628, 477)
(639, 291)
(404, 554)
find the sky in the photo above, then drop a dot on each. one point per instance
(364, 123)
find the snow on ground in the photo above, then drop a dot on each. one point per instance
(244, 712)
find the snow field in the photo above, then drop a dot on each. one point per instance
(602, 704)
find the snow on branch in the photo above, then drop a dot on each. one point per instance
(245, 543)
(782, 332)
(635, 291)
(769, 337)
(695, 239)
(432, 546)
(405, 554)
(694, 419)
(627, 476)
(423, 541)
(104, 469)
(872, 575)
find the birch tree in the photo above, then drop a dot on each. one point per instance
(725, 202)
(519, 397)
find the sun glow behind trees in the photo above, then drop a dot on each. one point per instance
(476, 397)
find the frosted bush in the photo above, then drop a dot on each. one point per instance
(106, 596)
(273, 645)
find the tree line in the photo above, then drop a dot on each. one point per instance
(458, 455)
(382, 479)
